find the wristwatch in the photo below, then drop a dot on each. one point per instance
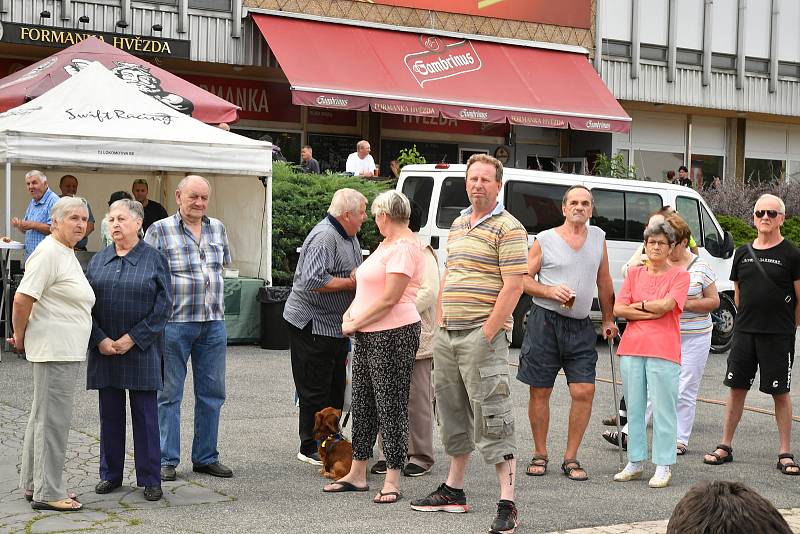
(643, 305)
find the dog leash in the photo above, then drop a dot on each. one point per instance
(346, 419)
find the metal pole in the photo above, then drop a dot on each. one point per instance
(616, 400)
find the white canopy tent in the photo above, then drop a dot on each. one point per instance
(94, 120)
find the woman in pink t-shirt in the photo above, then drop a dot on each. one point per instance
(651, 300)
(384, 320)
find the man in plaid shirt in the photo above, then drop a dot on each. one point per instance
(196, 247)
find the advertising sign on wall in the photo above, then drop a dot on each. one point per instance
(573, 13)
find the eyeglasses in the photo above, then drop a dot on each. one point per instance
(770, 213)
(659, 244)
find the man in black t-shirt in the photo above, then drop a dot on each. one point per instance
(764, 334)
(153, 211)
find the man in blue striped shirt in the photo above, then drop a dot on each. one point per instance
(196, 247)
(324, 286)
(36, 222)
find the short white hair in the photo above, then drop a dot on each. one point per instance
(345, 200)
(134, 207)
(186, 179)
(777, 199)
(66, 205)
(36, 173)
(394, 204)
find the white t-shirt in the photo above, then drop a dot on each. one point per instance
(357, 165)
(61, 319)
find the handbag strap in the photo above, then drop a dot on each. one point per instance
(763, 272)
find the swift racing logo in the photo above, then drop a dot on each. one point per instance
(441, 61)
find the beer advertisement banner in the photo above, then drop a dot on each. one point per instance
(573, 13)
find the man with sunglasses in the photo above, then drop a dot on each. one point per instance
(767, 295)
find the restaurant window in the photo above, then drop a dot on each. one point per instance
(452, 199)
(288, 142)
(793, 173)
(541, 163)
(331, 151)
(653, 166)
(419, 189)
(705, 168)
(537, 206)
(759, 171)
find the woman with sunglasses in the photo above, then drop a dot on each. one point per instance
(651, 300)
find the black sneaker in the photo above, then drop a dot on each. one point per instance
(414, 470)
(443, 499)
(379, 468)
(506, 520)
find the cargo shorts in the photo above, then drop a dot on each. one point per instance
(473, 393)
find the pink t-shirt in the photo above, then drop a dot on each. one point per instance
(403, 257)
(654, 338)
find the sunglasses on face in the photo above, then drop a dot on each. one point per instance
(770, 213)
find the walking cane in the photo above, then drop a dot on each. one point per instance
(616, 401)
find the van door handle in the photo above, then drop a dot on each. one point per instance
(435, 242)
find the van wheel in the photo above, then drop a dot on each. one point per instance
(521, 313)
(723, 318)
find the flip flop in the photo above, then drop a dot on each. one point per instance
(67, 505)
(397, 496)
(345, 486)
(29, 495)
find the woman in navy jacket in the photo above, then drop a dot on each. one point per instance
(131, 282)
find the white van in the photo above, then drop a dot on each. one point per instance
(621, 209)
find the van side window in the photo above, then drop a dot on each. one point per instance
(638, 208)
(419, 189)
(452, 199)
(689, 209)
(536, 206)
(623, 215)
(608, 213)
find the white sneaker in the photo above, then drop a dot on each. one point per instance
(312, 458)
(660, 480)
(630, 472)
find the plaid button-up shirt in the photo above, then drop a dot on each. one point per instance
(196, 267)
(38, 211)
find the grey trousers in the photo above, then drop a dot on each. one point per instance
(46, 436)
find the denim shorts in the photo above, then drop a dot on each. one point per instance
(553, 342)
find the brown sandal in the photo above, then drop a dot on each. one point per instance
(719, 459)
(538, 462)
(571, 465)
(784, 468)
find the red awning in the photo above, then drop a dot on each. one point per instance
(341, 66)
(30, 82)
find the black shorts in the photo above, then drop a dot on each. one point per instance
(771, 354)
(553, 342)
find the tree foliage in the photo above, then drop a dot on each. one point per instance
(300, 201)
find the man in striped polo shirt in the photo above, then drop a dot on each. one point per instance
(487, 258)
(324, 286)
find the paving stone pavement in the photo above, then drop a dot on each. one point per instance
(100, 512)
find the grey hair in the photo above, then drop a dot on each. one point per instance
(394, 204)
(39, 174)
(66, 205)
(660, 228)
(345, 200)
(133, 206)
(767, 196)
(185, 180)
(362, 144)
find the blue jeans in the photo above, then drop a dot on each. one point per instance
(205, 342)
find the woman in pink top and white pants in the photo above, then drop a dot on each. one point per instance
(652, 299)
(384, 319)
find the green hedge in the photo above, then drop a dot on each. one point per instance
(300, 201)
(743, 232)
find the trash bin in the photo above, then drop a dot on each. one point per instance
(274, 331)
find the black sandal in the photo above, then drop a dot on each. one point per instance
(540, 462)
(784, 468)
(571, 465)
(612, 436)
(719, 460)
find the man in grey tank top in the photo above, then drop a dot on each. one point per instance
(565, 264)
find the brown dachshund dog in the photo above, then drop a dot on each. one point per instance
(334, 450)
